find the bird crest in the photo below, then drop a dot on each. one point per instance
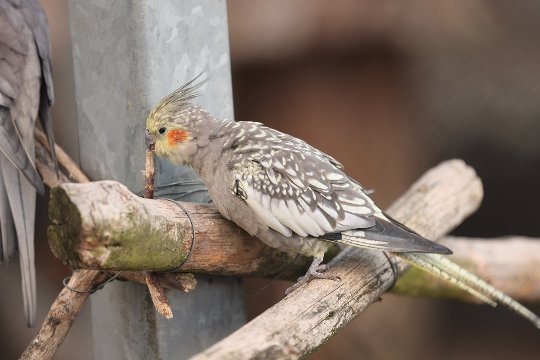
(179, 99)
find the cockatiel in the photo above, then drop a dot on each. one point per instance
(26, 92)
(290, 195)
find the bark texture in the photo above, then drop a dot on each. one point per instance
(102, 225)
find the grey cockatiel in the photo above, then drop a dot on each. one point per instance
(290, 195)
(26, 92)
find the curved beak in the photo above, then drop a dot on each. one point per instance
(149, 140)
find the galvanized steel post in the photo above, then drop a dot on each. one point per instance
(127, 55)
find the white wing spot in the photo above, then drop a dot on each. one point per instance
(316, 183)
(359, 210)
(291, 172)
(334, 176)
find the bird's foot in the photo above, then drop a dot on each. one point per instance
(315, 271)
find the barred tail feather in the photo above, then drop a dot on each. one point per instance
(447, 270)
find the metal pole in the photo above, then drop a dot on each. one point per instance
(127, 55)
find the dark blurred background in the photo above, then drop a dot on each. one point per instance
(389, 88)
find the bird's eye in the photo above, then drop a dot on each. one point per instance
(162, 130)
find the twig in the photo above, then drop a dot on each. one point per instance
(149, 175)
(184, 282)
(161, 303)
(72, 169)
(159, 299)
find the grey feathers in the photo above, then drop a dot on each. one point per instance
(294, 188)
(291, 186)
(387, 234)
(26, 90)
(13, 150)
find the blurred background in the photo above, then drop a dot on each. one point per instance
(389, 88)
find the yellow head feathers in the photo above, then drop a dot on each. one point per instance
(167, 123)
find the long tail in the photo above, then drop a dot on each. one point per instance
(441, 267)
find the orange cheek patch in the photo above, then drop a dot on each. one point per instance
(176, 136)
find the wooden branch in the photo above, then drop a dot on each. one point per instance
(102, 225)
(45, 167)
(149, 175)
(63, 312)
(176, 281)
(309, 316)
(71, 168)
(510, 264)
(157, 294)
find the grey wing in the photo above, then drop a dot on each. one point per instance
(22, 202)
(293, 192)
(11, 146)
(307, 194)
(17, 211)
(7, 227)
(37, 21)
(20, 85)
(14, 50)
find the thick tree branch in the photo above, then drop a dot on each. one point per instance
(308, 317)
(159, 298)
(102, 225)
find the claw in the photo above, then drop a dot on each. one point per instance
(315, 271)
